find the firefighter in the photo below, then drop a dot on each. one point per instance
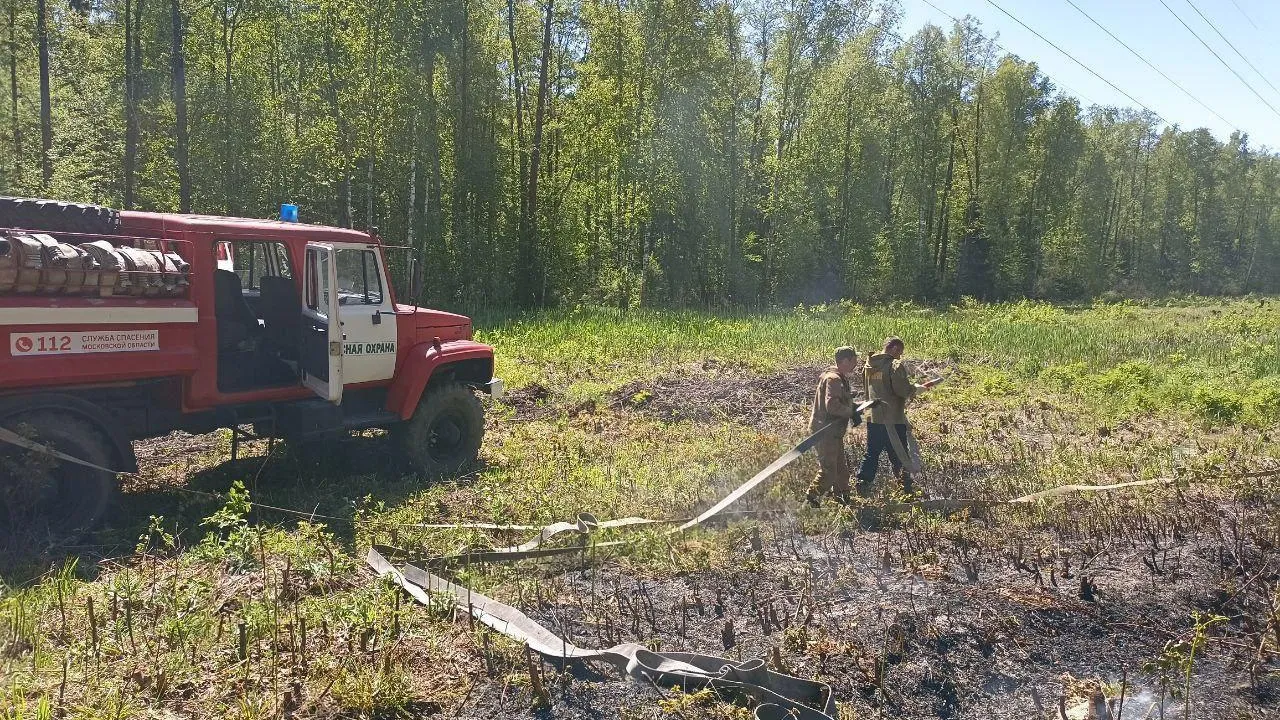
(887, 380)
(833, 405)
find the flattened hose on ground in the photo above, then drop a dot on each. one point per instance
(586, 523)
(13, 438)
(476, 557)
(778, 696)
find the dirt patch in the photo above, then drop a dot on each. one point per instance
(712, 392)
(528, 396)
(715, 393)
(169, 459)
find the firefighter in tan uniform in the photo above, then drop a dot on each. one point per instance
(834, 409)
(888, 381)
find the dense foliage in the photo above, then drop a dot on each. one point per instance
(635, 151)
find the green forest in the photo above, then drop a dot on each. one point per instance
(707, 153)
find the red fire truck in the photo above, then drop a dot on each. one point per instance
(119, 326)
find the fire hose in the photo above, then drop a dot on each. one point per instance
(13, 438)
(777, 695)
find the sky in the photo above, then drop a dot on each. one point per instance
(1253, 26)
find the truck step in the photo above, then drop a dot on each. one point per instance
(370, 418)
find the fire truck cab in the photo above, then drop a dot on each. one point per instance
(120, 326)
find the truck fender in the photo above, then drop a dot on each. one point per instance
(126, 460)
(466, 361)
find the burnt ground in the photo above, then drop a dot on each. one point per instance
(904, 634)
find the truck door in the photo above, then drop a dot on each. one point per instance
(367, 313)
(320, 356)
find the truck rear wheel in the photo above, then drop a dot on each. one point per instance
(445, 432)
(41, 494)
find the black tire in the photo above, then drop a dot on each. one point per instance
(43, 496)
(446, 430)
(56, 216)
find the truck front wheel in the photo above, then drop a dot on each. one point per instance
(445, 432)
(40, 494)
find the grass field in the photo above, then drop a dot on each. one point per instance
(197, 601)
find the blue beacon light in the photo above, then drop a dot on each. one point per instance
(289, 213)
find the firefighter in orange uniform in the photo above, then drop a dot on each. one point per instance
(833, 408)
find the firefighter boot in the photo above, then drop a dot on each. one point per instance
(908, 482)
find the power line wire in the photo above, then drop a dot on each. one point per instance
(1054, 45)
(1139, 55)
(1007, 51)
(1246, 16)
(951, 61)
(1216, 55)
(1232, 46)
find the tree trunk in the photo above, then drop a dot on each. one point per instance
(230, 187)
(130, 133)
(517, 89)
(178, 87)
(340, 122)
(433, 230)
(371, 102)
(46, 112)
(1142, 218)
(529, 250)
(757, 117)
(1253, 257)
(846, 206)
(733, 252)
(754, 199)
(132, 68)
(944, 223)
(462, 135)
(417, 211)
(976, 183)
(780, 146)
(13, 82)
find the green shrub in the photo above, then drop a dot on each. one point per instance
(232, 538)
(1031, 311)
(1217, 403)
(1028, 367)
(1063, 377)
(1262, 403)
(1128, 378)
(996, 383)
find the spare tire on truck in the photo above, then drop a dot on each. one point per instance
(44, 497)
(58, 216)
